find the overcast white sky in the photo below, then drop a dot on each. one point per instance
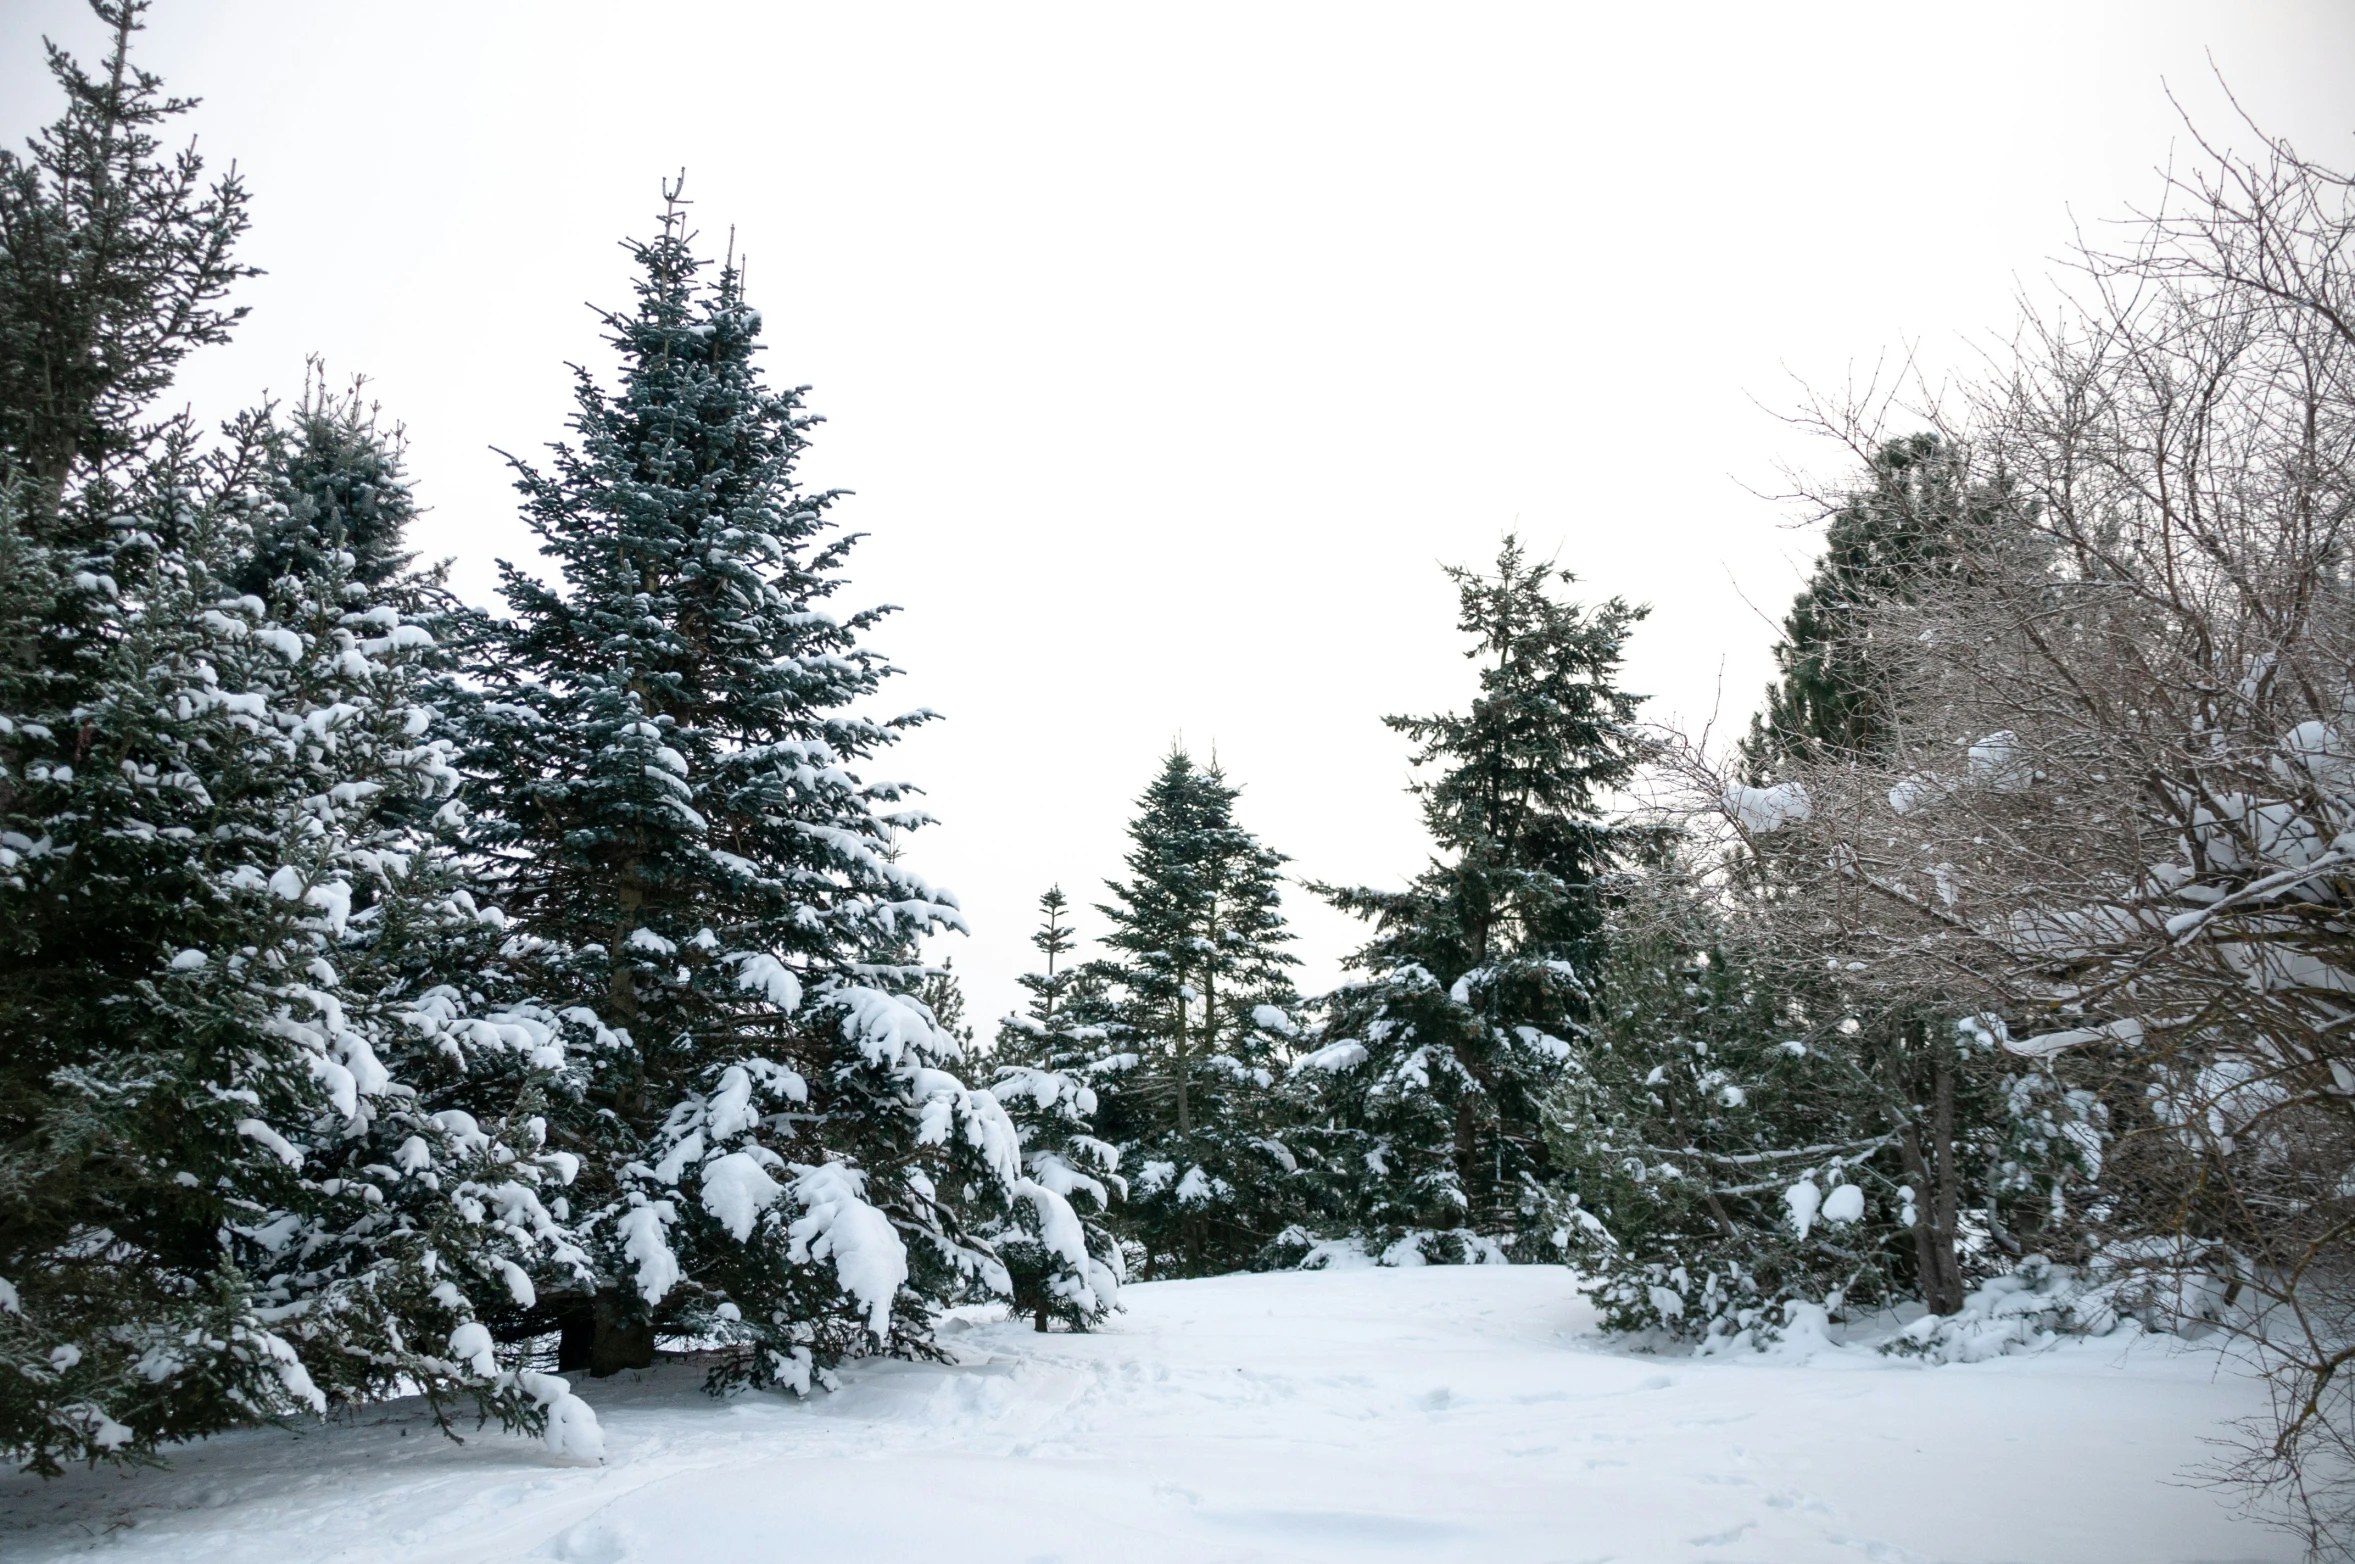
(1170, 349)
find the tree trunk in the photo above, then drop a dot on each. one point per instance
(1466, 1156)
(619, 1344)
(1949, 1192)
(1177, 1065)
(576, 1340)
(1931, 1167)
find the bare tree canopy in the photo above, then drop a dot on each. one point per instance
(2109, 799)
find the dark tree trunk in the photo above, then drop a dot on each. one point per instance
(1465, 1154)
(1949, 1193)
(1930, 1164)
(620, 1344)
(576, 1339)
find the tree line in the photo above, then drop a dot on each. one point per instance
(1999, 976)
(1399, 1117)
(392, 988)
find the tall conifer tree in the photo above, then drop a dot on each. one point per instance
(698, 859)
(445, 1207)
(1198, 996)
(1428, 1085)
(1899, 528)
(1914, 519)
(201, 793)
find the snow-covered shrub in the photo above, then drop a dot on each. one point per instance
(1734, 1140)
(1063, 1262)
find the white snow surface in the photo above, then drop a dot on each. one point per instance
(1439, 1413)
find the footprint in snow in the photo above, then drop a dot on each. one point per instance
(587, 1543)
(1718, 1539)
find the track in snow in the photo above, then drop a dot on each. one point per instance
(1439, 1414)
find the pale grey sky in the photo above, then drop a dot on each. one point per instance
(1169, 349)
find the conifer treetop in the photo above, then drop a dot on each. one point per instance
(688, 634)
(1201, 907)
(1519, 785)
(1905, 524)
(119, 261)
(1054, 940)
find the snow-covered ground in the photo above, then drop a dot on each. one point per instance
(1443, 1414)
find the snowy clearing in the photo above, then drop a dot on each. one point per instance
(1431, 1414)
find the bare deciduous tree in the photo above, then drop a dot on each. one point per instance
(2115, 803)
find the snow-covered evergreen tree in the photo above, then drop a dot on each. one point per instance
(1917, 1056)
(146, 1097)
(466, 1207)
(1197, 1005)
(116, 261)
(338, 503)
(193, 795)
(772, 1140)
(1058, 1247)
(1907, 524)
(1426, 1088)
(1724, 1140)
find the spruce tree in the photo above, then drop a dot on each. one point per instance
(115, 263)
(1427, 1087)
(674, 781)
(1898, 529)
(1051, 986)
(1062, 1258)
(201, 792)
(1706, 1127)
(1753, 1125)
(338, 503)
(146, 956)
(1198, 1001)
(1910, 524)
(467, 1209)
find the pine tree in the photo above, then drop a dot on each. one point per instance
(1051, 986)
(207, 1020)
(140, 975)
(944, 996)
(1704, 1130)
(115, 263)
(774, 1150)
(192, 788)
(1915, 519)
(1197, 1000)
(465, 1209)
(338, 489)
(1756, 1127)
(1433, 1066)
(1061, 1256)
(1897, 530)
